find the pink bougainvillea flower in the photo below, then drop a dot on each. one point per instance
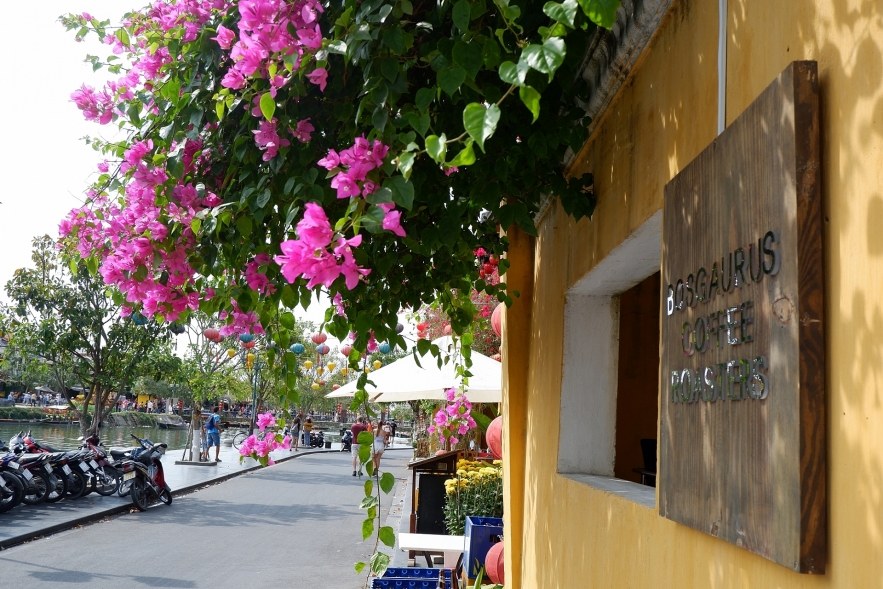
(103, 166)
(451, 170)
(330, 161)
(345, 185)
(392, 222)
(314, 229)
(303, 131)
(225, 37)
(319, 76)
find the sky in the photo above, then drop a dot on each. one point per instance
(45, 166)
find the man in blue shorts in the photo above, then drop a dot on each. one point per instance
(213, 434)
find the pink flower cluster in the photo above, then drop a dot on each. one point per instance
(308, 256)
(256, 279)
(269, 32)
(454, 419)
(267, 139)
(256, 448)
(352, 167)
(129, 237)
(239, 321)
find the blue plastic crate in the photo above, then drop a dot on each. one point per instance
(415, 573)
(480, 536)
(391, 583)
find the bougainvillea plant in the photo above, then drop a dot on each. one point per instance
(362, 148)
(270, 437)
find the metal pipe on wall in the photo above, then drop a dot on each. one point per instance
(722, 67)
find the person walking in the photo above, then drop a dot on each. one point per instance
(295, 429)
(357, 428)
(213, 434)
(380, 438)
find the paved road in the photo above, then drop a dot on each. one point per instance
(295, 525)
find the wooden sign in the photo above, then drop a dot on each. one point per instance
(742, 404)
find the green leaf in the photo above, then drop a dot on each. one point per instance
(514, 73)
(564, 12)
(219, 110)
(195, 225)
(424, 98)
(365, 453)
(338, 46)
(365, 438)
(531, 99)
(367, 528)
(468, 55)
(389, 67)
(394, 38)
(387, 482)
(402, 191)
(263, 199)
(380, 118)
(547, 57)
(380, 196)
(407, 7)
(387, 536)
(368, 502)
(466, 157)
(406, 162)
(437, 148)
(419, 122)
(462, 15)
(481, 420)
(287, 320)
(490, 54)
(369, 487)
(481, 122)
(601, 12)
(451, 78)
(379, 563)
(360, 566)
(268, 105)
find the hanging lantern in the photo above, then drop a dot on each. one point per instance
(249, 357)
(399, 328)
(498, 357)
(331, 366)
(377, 364)
(497, 320)
(344, 371)
(319, 338)
(315, 386)
(139, 319)
(323, 349)
(421, 326)
(246, 338)
(320, 369)
(231, 352)
(345, 351)
(335, 387)
(322, 383)
(297, 348)
(308, 364)
(367, 369)
(447, 330)
(177, 328)
(248, 345)
(385, 348)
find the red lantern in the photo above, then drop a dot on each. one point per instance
(248, 345)
(334, 388)
(345, 350)
(497, 320)
(421, 326)
(498, 357)
(212, 334)
(318, 338)
(494, 437)
(493, 563)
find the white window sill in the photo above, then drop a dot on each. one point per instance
(640, 494)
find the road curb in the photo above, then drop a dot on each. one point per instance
(118, 509)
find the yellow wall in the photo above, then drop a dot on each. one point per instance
(664, 116)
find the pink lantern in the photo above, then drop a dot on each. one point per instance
(212, 334)
(335, 387)
(248, 345)
(318, 338)
(494, 437)
(493, 563)
(345, 350)
(497, 320)
(447, 330)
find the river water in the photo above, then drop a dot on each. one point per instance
(64, 437)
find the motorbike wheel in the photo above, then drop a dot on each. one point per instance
(76, 485)
(124, 488)
(57, 487)
(166, 495)
(12, 494)
(36, 490)
(106, 481)
(139, 493)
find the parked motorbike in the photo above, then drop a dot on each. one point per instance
(317, 439)
(43, 465)
(74, 469)
(107, 477)
(12, 489)
(148, 480)
(346, 440)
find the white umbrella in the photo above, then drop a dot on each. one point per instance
(403, 380)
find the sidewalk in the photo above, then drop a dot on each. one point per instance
(27, 522)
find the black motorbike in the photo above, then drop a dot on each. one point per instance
(40, 464)
(346, 440)
(12, 489)
(73, 469)
(32, 471)
(317, 439)
(107, 477)
(148, 483)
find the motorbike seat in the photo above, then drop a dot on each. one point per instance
(120, 454)
(26, 459)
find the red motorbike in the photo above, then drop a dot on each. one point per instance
(148, 480)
